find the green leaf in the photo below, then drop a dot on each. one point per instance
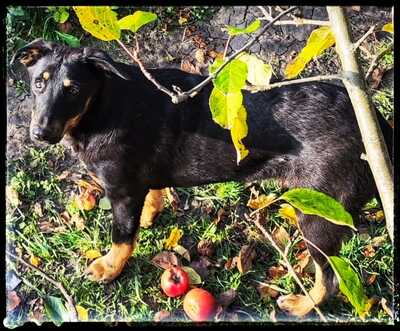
(233, 77)
(225, 106)
(312, 202)
(136, 21)
(234, 31)
(319, 40)
(61, 15)
(349, 283)
(56, 310)
(69, 39)
(259, 73)
(194, 277)
(215, 65)
(105, 204)
(238, 132)
(99, 21)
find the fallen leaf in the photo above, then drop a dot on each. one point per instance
(215, 55)
(199, 56)
(65, 217)
(267, 291)
(369, 251)
(386, 308)
(205, 248)
(276, 272)
(227, 297)
(34, 260)
(187, 66)
(161, 315)
(105, 203)
(83, 314)
(173, 238)
(371, 279)
(376, 77)
(182, 20)
(46, 226)
(379, 216)
(368, 305)
(182, 251)
(262, 201)
(303, 260)
(37, 208)
(13, 300)
(12, 196)
(231, 263)
(86, 200)
(92, 254)
(280, 236)
(165, 260)
(201, 266)
(245, 259)
(12, 280)
(221, 215)
(194, 277)
(63, 175)
(378, 241)
(356, 8)
(287, 212)
(78, 221)
(388, 27)
(301, 245)
(89, 186)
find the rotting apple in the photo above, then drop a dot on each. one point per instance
(174, 281)
(200, 305)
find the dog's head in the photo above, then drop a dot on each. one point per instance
(63, 82)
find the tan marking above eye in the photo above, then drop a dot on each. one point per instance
(46, 75)
(66, 82)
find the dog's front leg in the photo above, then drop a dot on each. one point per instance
(126, 218)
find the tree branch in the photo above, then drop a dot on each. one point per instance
(293, 81)
(372, 137)
(365, 36)
(296, 20)
(70, 300)
(289, 266)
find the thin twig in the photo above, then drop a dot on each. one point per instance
(135, 58)
(293, 81)
(376, 59)
(296, 20)
(289, 267)
(70, 300)
(365, 36)
(226, 46)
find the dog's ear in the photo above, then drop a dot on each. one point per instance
(29, 54)
(103, 61)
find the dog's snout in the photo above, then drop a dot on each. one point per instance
(40, 133)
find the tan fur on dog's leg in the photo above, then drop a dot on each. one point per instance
(301, 305)
(108, 267)
(153, 205)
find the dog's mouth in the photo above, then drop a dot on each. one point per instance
(44, 136)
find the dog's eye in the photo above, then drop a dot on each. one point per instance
(39, 83)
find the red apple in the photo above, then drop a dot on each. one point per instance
(199, 305)
(174, 282)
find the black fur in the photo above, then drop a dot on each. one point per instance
(135, 139)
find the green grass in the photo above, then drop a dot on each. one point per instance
(136, 294)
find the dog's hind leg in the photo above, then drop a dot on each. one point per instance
(153, 206)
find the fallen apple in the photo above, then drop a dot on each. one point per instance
(199, 305)
(174, 282)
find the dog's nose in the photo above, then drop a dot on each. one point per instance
(40, 134)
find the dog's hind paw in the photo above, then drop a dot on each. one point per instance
(296, 305)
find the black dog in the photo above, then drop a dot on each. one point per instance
(135, 140)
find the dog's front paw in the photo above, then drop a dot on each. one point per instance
(296, 305)
(103, 270)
